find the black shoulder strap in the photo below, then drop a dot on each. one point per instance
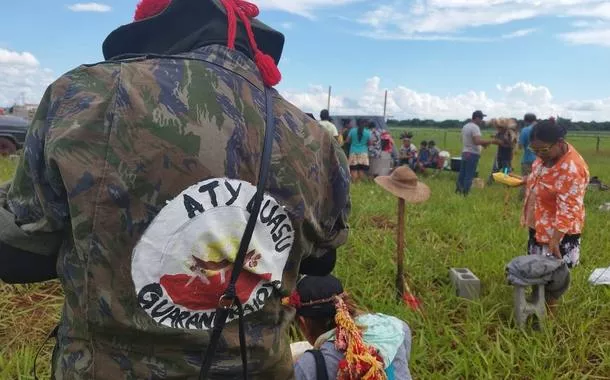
(321, 373)
(52, 334)
(229, 298)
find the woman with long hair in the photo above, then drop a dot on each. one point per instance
(346, 127)
(348, 342)
(554, 209)
(359, 139)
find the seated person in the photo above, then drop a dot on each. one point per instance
(332, 323)
(408, 153)
(435, 161)
(423, 158)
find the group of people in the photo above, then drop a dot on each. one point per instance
(554, 182)
(370, 150)
(428, 155)
(507, 138)
(186, 221)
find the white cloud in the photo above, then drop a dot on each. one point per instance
(600, 10)
(590, 32)
(588, 24)
(593, 36)
(22, 76)
(519, 33)
(511, 101)
(457, 19)
(286, 25)
(8, 57)
(539, 95)
(301, 7)
(89, 7)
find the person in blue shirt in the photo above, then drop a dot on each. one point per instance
(422, 157)
(359, 140)
(524, 143)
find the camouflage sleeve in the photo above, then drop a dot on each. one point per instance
(33, 206)
(337, 200)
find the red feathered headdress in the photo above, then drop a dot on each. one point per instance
(235, 8)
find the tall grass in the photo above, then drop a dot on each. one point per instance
(453, 338)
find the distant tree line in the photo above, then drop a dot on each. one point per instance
(451, 124)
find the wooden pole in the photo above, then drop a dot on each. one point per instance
(598, 139)
(329, 92)
(385, 104)
(400, 252)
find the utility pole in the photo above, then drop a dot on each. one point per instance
(329, 92)
(385, 104)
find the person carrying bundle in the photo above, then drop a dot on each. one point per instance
(506, 140)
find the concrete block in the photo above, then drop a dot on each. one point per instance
(524, 308)
(466, 284)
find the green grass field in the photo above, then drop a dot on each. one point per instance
(453, 338)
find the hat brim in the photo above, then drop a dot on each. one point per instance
(418, 194)
(183, 18)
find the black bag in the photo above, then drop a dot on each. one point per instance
(22, 267)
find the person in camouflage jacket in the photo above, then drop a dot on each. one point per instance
(135, 181)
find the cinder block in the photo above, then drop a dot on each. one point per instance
(466, 284)
(524, 308)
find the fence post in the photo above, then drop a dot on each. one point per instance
(597, 148)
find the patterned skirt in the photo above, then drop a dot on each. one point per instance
(569, 248)
(359, 160)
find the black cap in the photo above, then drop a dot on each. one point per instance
(478, 115)
(314, 288)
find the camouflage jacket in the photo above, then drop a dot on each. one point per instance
(139, 173)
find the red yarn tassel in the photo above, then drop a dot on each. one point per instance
(411, 301)
(269, 71)
(235, 8)
(149, 8)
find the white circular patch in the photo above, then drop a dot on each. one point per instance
(183, 262)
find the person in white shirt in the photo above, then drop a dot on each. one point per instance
(326, 123)
(471, 152)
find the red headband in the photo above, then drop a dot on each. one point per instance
(235, 8)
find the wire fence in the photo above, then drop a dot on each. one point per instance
(450, 139)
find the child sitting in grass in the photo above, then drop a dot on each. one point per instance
(408, 152)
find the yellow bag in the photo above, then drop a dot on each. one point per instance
(507, 179)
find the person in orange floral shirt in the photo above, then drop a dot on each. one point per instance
(554, 209)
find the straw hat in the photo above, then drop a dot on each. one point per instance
(505, 123)
(403, 183)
